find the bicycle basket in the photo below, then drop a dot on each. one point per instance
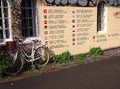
(27, 46)
(10, 45)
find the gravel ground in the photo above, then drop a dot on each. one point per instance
(112, 52)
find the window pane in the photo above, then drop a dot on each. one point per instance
(30, 13)
(34, 32)
(7, 33)
(30, 23)
(0, 13)
(23, 13)
(31, 32)
(101, 16)
(102, 19)
(1, 34)
(102, 26)
(28, 3)
(23, 23)
(0, 23)
(102, 12)
(6, 23)
(99, 19)
(4, 20)
(28, 18)
(99, 27)
(6, 12)
(23, 3)
(0, 3)
(24, 32)
(4, 3)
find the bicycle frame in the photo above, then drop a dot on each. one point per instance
(29, 58)
(23, 53)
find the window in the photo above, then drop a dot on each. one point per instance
(29, 18)
(4, 20)
(101, 16)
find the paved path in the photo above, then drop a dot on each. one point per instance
(103, 74)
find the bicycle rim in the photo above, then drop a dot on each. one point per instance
(41, 56)
(15, 63)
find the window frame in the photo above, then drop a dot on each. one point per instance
(101, 17)
(6, 20)
(34, 18)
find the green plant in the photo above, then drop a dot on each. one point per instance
(1, 55)
(3, 65)
(27, 66)
(3, 62)
(96, 51)
(1, 40)
(35, 73)
(81, 56)
(62, 58)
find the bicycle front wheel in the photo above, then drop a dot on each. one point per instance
(41, 56)
(15, 63)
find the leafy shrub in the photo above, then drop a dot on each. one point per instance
(1, 55)
(3, 62)
(62, 58)
(80, 57)
(27, 66)
(96, 51)
(3, 65)
(1, 40)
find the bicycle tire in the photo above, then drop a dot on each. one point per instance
(15, 65)
(41, 56)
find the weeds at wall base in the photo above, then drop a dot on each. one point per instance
(57, 62)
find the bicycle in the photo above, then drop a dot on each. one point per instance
(33, 52)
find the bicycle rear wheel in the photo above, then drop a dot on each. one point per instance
(41, 56)
(15, 62)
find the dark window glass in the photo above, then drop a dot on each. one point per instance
(0, 23)
(24, 32)
(30, 13)
(31, 31)
(100, 17)
(28, 18)
(23, 3)
(7, 33)
(23, 23)
(6, 12)
(0, 3)
(6, 23)
(4, 3)
(30, 22)
(28, 3)
(1, 34)
(23, 13)
(0, 13)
